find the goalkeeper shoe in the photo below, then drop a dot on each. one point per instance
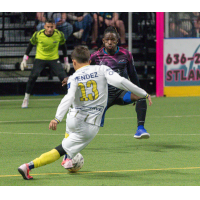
(25, 103)
(141, 133)
(24, 171)
(67, 163)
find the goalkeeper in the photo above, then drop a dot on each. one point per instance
(47, 43)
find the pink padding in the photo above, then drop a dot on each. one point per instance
(159, 54)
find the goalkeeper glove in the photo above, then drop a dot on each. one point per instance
(23, 63)
(66, 64)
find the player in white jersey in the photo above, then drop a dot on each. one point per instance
(86, 102)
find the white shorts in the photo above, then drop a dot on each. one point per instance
(80, 135)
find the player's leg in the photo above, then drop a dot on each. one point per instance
(44, 159)
(66, 136)
(141, 108)
(57, 68)
(81, 134)
(38, 66)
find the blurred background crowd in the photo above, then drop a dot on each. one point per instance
(16, 29)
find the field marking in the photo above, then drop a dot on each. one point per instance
(48, 120)
(59, 134)
(45, 120)
(7, 100)
(113, 171)
(132, 134)
(52, 99)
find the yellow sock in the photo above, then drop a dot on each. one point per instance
(46, 158)
(66, 135)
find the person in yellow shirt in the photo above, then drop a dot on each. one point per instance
(47, 43)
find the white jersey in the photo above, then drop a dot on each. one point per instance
(88, 93)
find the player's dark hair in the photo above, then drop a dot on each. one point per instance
(81, 54)
(50, 20)
(111, 29)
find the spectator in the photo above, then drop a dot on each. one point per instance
(109, 19)
(180, 24)
(82, 24)
(60, 21)
(194, 16)
(197, 27)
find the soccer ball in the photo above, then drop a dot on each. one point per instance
(77, 162)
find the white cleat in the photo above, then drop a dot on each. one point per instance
(24, 171)
(67, 164)
(25, 103)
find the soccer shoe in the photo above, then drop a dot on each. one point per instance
(25, 103)
(141, 133)
(65, 156)
(67, 163)
(24, 171)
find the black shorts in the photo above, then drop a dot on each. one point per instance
(55, 65)
(118, 99)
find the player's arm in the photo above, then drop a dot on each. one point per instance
(122, 83)
(63, 47)
(132, 71)
(33, 41)
(64, 105)
(26, 56)
(66, 62)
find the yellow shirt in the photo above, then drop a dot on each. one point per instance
(47, 46)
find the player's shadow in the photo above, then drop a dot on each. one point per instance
(160, 147)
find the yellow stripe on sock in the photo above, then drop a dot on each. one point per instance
(46, 158)
(66, 135)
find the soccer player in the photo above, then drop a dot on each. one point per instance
(47, 43)
(121, 61)
(87, 93)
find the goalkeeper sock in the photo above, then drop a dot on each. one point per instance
(27, 96)
(141, 109)
(45, 158)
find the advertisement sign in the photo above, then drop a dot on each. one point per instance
(181, 67)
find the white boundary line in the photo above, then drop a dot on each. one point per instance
(7, 100)
(58, 134)
(48, 120)
(11, 133)
(52, 99)
(45, 120)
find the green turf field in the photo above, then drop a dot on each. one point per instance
(114, 158)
